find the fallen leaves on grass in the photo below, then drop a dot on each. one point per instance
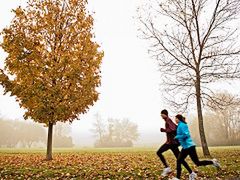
(107, 165)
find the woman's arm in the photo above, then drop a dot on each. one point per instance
(182, 132)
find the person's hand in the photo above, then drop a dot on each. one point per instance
(162, 130)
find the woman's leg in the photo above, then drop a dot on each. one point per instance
(195, 159)
(182, 156)
(176, 153)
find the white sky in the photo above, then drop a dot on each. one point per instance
(130, 80)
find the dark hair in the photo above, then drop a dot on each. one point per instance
(165, 112)
(181, 118)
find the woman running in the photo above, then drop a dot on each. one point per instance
(188, 148)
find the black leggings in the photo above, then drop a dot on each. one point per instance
(193, 155)
(176, 152)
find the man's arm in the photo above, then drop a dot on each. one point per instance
(170, 127)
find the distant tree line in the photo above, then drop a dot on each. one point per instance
(14, 133)
(62, 137)
(222, 122)
(114, 132)
(27, 135)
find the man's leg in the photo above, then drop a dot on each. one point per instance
(176, 153)
(195, 159)
(182, 156)
(161, 150)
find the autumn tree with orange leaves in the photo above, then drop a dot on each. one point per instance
(53, 62)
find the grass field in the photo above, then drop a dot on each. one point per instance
(130, 163)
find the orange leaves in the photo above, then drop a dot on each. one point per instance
(19, 11)
(102, 164)
(54, 59)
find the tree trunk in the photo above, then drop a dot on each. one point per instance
(49, 141)
(30, 144)
(200, 119)
(226, 124)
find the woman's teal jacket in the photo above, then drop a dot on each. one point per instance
(183, 135)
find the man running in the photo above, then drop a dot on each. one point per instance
(171, 144)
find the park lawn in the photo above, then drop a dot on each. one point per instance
(124, 163)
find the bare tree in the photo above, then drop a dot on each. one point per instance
(227, 113)
(195, 44)
(125, 130)
(115, 133)
(99, 128)
(62, 129)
